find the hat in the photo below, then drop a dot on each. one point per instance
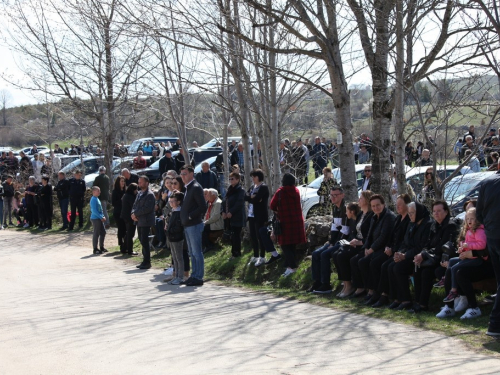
(493, 130)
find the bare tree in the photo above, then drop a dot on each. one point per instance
(4, 102)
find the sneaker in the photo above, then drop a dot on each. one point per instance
(260, 262)
(175, 281)
(272, 260)
(253, 260)
(440, 283)
(451, 297)
(493, 332)
(461, 303)
(288, 272)
(323, 289)
(169, 271)
(446, 312)
(471, 313)
(315, 286)
(169, 279)
(26, 225)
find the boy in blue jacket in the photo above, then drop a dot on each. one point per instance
(97, 218)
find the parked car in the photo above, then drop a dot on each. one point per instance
(90, 165)
(458, 188)
(463, 195)
(138, 143)
(416, 175)
(214, 141)
(210, 161)
(27, 150)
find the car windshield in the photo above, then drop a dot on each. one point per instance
(134, 146)
(73, 165)
(457, 189)
(155, 165)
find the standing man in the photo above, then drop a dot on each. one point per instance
(367, 180)
(320, 157)
(143, 213)
(130, 177)
(167, 163)
(237, 157)
(206, 178)
(487, 213)
(62, 191)
(102, 181)
(76, 196)
(192, 211)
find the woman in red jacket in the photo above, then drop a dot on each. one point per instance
(286, 205)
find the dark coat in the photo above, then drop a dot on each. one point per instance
(134, 178)
(144, 208)
(213, 181)
(286, 202)
(166, 164)
(440, 234)
(102, 181)
(415, 238)
(365, 226)
(127, 204)
(194, 205)
(398, 233)
(488, 205)
(260, 202)
(116, 201)
(76, 189)
(175, 230)
(369, 183)
(62, 189)
(234, 158)
(234, 203)
(380, 231)
(45, 194)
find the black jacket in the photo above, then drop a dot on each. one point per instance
(260, 203)
(213, 181)
(235, 204)
(415, 238)
(440, 234)
(194, 206)
(134, 178)
(365, 226)
(488, 205)
(8, 190)
(398, 233)
(166, 164)
(175, 230)
(45, 195)
(380, 231)
(76, 189)
(234, 158)
(62, 189)
(116, 201)
(127, 203)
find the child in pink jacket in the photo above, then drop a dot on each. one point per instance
(472, 237)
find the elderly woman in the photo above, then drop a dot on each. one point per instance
(370, 263)
(214, 224)
(233, 211)
(443, 229)
(116, 200)
(257, 197)
(31, 202)
(415, 239)
(286, 205)
(397, 237)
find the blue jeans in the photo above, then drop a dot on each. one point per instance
(63, 205)
(193, 239)
(455, 264)
(321, 263)
(494, 255)
(160, 231)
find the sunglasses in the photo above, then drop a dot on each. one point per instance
(232, 178)
(428, 173)
(368, 170)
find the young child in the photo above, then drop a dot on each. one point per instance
(472, 237)
(175, 234)
(18, 208)
(98, 219)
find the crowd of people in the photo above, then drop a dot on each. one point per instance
(376, 253)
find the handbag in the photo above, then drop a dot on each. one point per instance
(277, 227)
(429, 260)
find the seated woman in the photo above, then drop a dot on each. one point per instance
(415, 239)
(397, 237)
(343, 258)
(366, 270)
(443, 229)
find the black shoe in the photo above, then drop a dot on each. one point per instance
(80, 226)
(194, 282)
(145, 266)
(189, 280)
(416, 308)
(404, 306)
(383, 301)
(132, 253)
(367, 297)
(63, 228)
(104, 250)
(139, 265)
(97, 251)
(394, 305)
(373, 299)
(493, 332)
(357, 295)
(315, 286)
(323, 289)
(272, 259)
(69, 229)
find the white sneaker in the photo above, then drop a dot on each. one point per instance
(260, 262)
(461, 304)
(288, 272)
(26, 225)
(471, 313)
(176, 281)
(252, 260)
(169, 271)
(445, 312)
